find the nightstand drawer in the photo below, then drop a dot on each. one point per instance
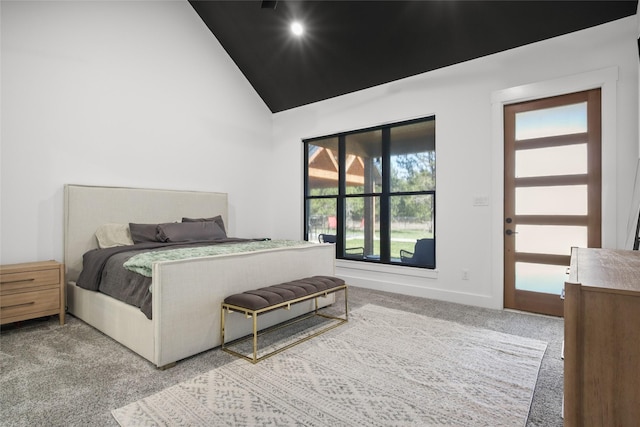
(22, 281)
(26, 303)
(31, 289)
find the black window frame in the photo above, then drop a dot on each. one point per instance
(384, 195)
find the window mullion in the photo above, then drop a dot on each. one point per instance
(305, 190)
(385, 231)
(342, 191)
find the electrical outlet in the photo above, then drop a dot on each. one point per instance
(465, 274)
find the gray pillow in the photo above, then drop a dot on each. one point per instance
(142, 233)
(217, 219)
(190, 231)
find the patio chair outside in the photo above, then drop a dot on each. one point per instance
(423, 255)
(357, 252)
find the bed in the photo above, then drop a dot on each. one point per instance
(187, 293)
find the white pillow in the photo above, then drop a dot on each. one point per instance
(111, 235)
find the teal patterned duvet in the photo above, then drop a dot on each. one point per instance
(143, 263)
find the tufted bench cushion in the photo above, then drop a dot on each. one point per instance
(272, 295)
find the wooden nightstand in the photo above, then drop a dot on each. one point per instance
(31, 290)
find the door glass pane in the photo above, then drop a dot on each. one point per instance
(564, 120)
(548, 279)
(323, 167)
(550, 239)
(560, 200)
(551, 161)
(411, 220)
(362, 227)
(363, 162)
(413, 157)
(321, 217)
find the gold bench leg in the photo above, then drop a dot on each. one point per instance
(346, 305)
(255, 337)
(222, 327)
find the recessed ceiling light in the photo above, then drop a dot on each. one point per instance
(297, 28)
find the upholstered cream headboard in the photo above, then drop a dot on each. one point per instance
(87, 207)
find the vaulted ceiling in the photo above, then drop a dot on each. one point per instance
(353, 45)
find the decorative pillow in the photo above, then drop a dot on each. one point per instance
(217, 219)
(142, 233)
(190, 231)
(111, 235)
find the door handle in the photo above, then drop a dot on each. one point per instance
(510, 232)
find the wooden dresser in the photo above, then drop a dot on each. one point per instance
(602, 339)
(31, 290)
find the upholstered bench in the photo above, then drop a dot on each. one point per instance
(283, 295)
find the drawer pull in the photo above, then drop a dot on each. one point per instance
(18, 305)
(18, 281)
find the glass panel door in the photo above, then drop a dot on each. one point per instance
(552, 195)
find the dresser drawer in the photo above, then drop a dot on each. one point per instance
(24, 281)
(27, 304)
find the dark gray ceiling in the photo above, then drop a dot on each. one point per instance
(352, 45)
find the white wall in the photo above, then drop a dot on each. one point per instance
(634, 212)
(460, 96)
(121, 93)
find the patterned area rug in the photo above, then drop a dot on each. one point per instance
(385, 367)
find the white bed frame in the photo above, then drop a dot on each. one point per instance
(187, 294)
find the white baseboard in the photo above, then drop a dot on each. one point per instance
(407, 281)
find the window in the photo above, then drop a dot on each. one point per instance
(372, 193)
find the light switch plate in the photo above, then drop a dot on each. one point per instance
(481, 201)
